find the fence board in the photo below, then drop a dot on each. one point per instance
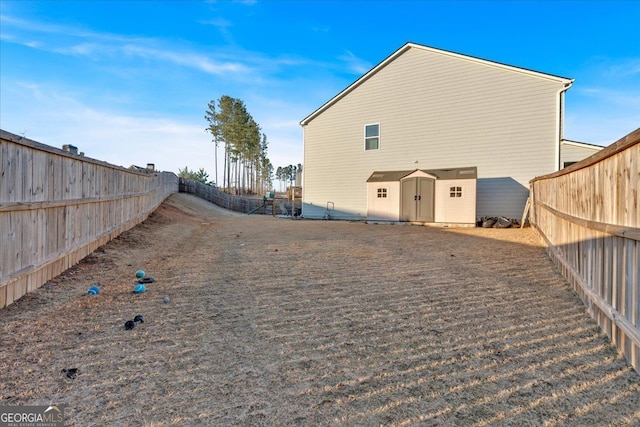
(56, 208)
(4, 248)
(588, 216)
(4, 168)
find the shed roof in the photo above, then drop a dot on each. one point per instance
(388, 176)
(409, 45)
(453, 173)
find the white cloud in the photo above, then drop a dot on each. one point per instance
(54, 116)
(280, 90)
(40, 27)
(604, 95)
(354, 64)
(186, 59)
(115, 50)
(82, 49)
(217, 22)
(79, 42)
(622, 68)
(223, 26)
(601, 115)
(51, 117)
(604, 103)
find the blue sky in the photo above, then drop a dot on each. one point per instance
(128, 82)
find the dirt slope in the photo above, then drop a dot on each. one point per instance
(281, 322)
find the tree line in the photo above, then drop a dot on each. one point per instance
(199, 175)
(287, 174)
(247, 169)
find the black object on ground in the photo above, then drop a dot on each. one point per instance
(497, 222)
(129, 324)
(502, 222)
(488, 222)
(147, 279)
(70, 372)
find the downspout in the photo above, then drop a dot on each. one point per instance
(560, 121)
(304, 165)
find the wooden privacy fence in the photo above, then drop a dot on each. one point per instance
(57, 207)
(588, 215)
(222, 199)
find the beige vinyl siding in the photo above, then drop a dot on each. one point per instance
(435, 111)
(571, 152)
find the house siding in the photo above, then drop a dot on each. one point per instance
(434, 110)
(574, 153)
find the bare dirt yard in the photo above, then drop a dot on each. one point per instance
(280, 322)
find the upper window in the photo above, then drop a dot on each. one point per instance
(382, 193)
(455, 191)
(372, 137)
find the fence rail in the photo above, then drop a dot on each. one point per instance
(588, 214)
(57, 207)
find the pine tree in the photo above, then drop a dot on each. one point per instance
(200, 175)
(244, 154)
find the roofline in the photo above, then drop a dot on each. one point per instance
(435, 173)
(565, 80)
(582, 144)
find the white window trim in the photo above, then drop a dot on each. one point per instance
(364, 131)
(456, 191)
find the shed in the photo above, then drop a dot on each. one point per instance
(446, 196)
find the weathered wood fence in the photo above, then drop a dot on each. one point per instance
(588, 215)
(57, 207)
(226, 200)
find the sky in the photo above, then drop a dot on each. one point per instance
(128, 82)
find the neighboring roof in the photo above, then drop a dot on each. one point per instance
(454, 173)
(582, 144)
(622, 144)
(565, 80)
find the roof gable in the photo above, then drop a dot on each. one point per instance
(410, 45)
(418, 173)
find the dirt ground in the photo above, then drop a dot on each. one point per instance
(281, 322)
